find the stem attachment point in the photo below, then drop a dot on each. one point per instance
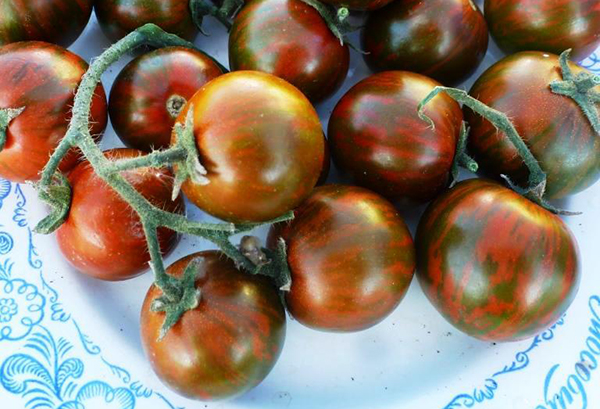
(6, 116)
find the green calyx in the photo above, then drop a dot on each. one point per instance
(336, 20)
(178, 295)
(580, 88)
(6, 116)
(224, 14)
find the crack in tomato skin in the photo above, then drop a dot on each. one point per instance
(139, 95)
(289, 39)
(43, 78)
(351, 258)
(551, 26)
(443, 39)
(495, 265)
(226, 345)
(553, 126)
(378, 139)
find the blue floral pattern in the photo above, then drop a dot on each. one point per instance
(8, 309)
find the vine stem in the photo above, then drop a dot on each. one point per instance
(224, 14)
(462, 158)
(179, 294)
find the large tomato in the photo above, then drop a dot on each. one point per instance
(225, 346)
(289, 39)
(102, 236)
(261, 142)
(542, 25)
(150, 92)
(377, 137)
(54, 21)
(443, 39)
(119, 17)
(43, 78)
(351, 257)
(495, 265)
(553, 126)
(358, 4)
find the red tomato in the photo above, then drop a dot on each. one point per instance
(102, 236)
(495, 265)
(225, 346)
(42, 78)
(150, 92)
(261, 142)
(351, 257)
(378, 139)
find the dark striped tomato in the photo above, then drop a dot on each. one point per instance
(43, 78)
(358, 4)
(262, 143)
(225, 346)
(542, 25)
(351, 257)
(289, 39)
(150, 92)
(117, 18)
(443, 39)
(53, 21)
(102, 236)
(495, 265)
(553, 126)
(378, 139)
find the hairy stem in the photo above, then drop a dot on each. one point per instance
(6, 116)
(461, 158)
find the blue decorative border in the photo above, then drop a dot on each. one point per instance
(49, 371)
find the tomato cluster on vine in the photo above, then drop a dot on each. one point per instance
(248, 148)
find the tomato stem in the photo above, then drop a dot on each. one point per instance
(224, 14)
(461, 158)
(336, 20)
(6, 116)
(580, 88)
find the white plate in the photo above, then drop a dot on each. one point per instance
(76, 340)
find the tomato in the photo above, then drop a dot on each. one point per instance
(42, 78)
(289, 39)
(102, 236)
(443, 39)
(351, 258)
(261, 142)
(378, 139)
(326, 167)
(358, 4)
(495, 265)
(541, 25)
(553, 126)
(225, 346)
(53, 21)
(148, 95)
(119, 17)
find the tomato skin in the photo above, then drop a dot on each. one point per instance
(351, 257)
(225, 346)
(261, 142)
(118, 18)
(495, 265)
(43, 78)
(540, 25)
(553, 126)
(54, 21)
(289, 39)
(443, 39)
(358, 4)
(140, 93)
(378, 139)
(102, 236)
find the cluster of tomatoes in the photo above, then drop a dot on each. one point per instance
(496, 265)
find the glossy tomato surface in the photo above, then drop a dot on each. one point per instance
(102, 236)
(261, 142)
(358, 4)
(351, 257)
(542, 25)
(443, 39)
(378, 139)
(553, 126)
(117, 18)
(495, 265)
(289, 39)
(54, 21)
(148, 95)
(43, 78)
(225, 346)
